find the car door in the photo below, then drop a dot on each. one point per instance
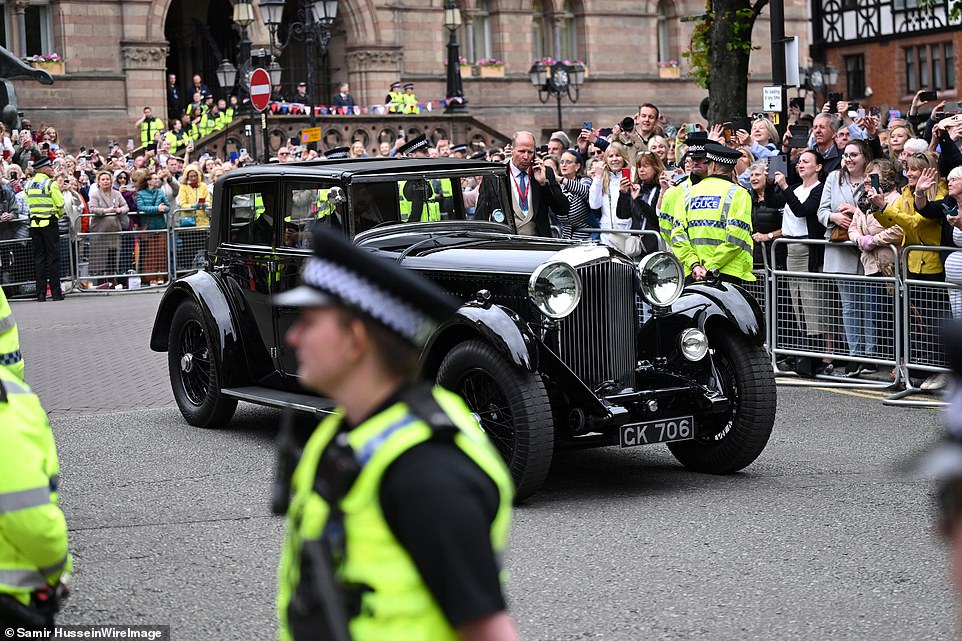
(305, 203)
(246, 259)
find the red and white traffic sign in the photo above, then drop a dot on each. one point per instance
(260, 89)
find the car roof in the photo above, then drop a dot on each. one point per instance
(359, 167)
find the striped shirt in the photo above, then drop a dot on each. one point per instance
(576, 191)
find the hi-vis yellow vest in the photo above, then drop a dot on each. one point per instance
(431, 209)
(44, 200)
(33, 529)
(10, 355)
(398, 604)
(717, 217)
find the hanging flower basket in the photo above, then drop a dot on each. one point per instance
(669, 69)
(52, 63)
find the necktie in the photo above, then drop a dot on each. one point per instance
(523, 196)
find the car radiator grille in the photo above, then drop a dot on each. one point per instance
(598, 340)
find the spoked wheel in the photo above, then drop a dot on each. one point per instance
(733, 440)
(510, 404)
(193, 371)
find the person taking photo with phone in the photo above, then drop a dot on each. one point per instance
(606, 189)
(639, 202)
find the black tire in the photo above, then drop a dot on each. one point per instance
(734, 440)
(511, 405)
(193, 371)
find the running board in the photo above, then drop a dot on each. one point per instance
(281, 399)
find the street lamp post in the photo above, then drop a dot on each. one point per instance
(455, 90)
(313, 24)
(557, 78)
(818, 78)
(230, 76)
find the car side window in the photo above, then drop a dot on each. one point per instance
(251, 216)
(307, 204)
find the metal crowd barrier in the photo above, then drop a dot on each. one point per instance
(925, 306)
(119, 261)
(17, 274)
(817, 315)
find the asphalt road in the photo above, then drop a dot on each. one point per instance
(819, 539)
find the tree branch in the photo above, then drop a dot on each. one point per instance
(758, 6)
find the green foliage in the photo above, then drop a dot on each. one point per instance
(699, 51)
(954, 6)
(739, 39)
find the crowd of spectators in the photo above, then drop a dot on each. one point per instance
(852, 175)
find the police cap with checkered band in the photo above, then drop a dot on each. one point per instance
(340, 274)
(721, 154)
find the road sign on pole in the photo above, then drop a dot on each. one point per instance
(260, 89)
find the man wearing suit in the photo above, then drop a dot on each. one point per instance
(344, 97)
(533, 191)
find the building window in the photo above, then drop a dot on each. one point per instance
(666, 22)
(540, 37)
(39, 31)
(481, 32)
(949, 51)
(855, 76)
(569, 33)
(930, 67)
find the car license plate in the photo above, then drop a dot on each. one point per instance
(665, 430)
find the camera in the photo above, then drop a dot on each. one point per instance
(627, 124)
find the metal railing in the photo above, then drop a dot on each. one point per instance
(877, 321)
(119, 261)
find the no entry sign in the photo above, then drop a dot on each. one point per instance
(260, 89)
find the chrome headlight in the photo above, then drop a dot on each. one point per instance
(662, 279)
(693, 344)
(555, 289)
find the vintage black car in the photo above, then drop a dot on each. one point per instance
(557, 344)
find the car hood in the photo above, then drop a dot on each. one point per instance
(503, 256)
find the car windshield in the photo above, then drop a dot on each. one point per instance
(430, 199)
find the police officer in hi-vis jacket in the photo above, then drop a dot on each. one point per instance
(399, 507)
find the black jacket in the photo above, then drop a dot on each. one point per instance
(544, 199)
(642, 214)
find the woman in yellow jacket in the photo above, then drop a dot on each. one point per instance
(194, 195)
(929, 305)
(919, 230)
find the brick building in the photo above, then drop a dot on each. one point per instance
(118, 52)
(890, 47)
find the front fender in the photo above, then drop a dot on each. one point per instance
(496, 325)
(203, 290)
(703, 305)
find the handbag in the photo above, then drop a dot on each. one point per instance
(187, 221)
(839, 235)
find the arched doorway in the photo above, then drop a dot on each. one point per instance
(201, 34)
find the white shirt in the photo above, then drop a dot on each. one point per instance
(792, 225)
(608, 204)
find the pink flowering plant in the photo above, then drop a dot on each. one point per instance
(461, 61)
(45, 57)
(667, 64)
(490, 62)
